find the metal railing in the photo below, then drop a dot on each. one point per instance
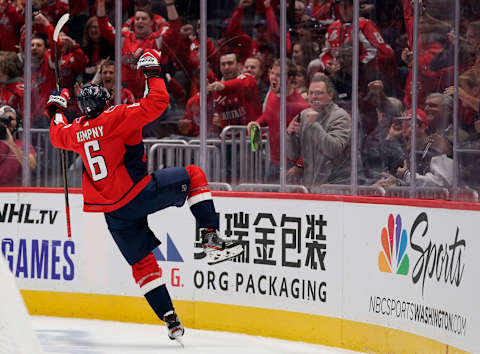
(165, 154)
(263, 187)
(240, 163)
(232, 151)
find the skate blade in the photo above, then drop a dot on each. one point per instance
(217, 256)
(179, 340)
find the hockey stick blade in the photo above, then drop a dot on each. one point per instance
(61, 22)
(217, 256)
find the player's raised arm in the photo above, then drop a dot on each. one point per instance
(156, 96)
(60, 135)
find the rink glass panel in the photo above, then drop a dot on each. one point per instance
(228, 159)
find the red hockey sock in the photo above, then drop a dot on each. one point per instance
(147, 273)
(200, 199)
(199, 190)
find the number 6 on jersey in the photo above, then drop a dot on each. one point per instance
(99, 161)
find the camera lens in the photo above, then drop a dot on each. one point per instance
(3, 132)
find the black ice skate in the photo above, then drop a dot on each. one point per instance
(218, 249)
(174, 327)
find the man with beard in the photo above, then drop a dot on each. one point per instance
(321, 136)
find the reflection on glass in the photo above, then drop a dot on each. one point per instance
(243, 89)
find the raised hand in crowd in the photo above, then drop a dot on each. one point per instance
(467, 99)
(395, 131)
(40, 19)
(187, 31)
(67, 42)
(333, 66)
(96, 78)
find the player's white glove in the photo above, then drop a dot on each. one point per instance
(58, 100)
(149, 63)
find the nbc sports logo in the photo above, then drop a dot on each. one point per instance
(393, 258)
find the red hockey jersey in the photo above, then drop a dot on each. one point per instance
(111, 148)
(373, 49)
(239, 102)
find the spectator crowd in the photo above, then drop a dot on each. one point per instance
(243, 80)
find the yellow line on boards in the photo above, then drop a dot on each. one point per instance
(232, 318)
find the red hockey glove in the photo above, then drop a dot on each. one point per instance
(149, 63)
(57, 101)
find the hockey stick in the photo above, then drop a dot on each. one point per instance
(61, 22)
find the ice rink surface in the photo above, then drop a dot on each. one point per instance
(78, 336)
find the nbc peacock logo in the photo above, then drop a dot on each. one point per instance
(393, 257)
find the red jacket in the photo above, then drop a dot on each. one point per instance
(112, 150)
(373, 49)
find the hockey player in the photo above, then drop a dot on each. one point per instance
(115, 180)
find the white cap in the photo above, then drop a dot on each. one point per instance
(5, 109)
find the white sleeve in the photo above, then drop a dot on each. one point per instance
(440, 175)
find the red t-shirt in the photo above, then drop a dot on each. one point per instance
(271, 118)
(112, 150)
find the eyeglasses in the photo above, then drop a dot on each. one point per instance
(316, 93)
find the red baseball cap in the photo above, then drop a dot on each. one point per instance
(421, 115)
